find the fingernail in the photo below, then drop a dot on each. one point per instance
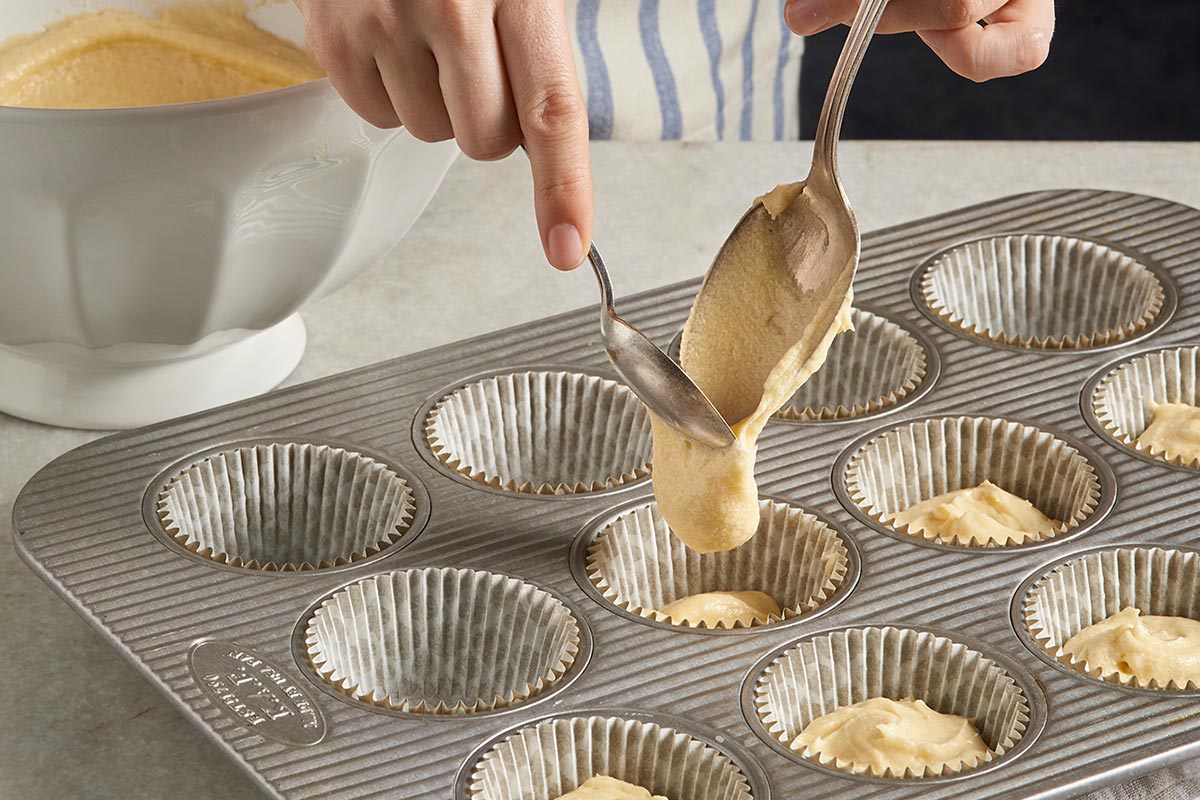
(806, 16)
(565, 246)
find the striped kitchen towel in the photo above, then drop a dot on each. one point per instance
(694, 70)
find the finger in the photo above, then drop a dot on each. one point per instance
(1016, 40)
(807, 17)
(410, 75)
(475, 88)
(352, 71)
(541, 70)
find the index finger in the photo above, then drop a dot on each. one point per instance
(541, 71)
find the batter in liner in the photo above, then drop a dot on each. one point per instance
(985, 514)
(725, 608)
(1175, 430)
(883, 735)
(602, 787)
(1147, 647)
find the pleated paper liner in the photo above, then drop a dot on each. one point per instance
(923, 459)
(1096, 585)
(542, 433)
(1125, 399)
(637, 564)
(442, 641)
(547, 759)
(871, 368)
(1041, 291)
(286, 507)
(829, 671)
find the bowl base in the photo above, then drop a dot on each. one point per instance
(102, 395)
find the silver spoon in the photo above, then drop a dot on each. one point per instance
(795, 254)
(658, 381)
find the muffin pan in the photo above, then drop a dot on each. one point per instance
(442, 628)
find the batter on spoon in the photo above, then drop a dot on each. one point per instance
(754, 336)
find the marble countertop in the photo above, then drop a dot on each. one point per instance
(80, 722)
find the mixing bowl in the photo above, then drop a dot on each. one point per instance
(153, 260)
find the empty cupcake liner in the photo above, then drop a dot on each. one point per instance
(547, 759)
(442, 641)
(1124, 400)
(926, 458)
(840, 668)
(638, 565)
(542, 433)
(872, 367)
(1041, 291)
(286, 507)
(1092, 587)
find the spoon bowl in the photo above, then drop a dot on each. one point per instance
(793, 253)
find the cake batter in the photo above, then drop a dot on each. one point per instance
(116, 59)
(984, 514)
(1175, 430)
(722, 608)
(1147, 647)
(753, 338)
(883, 735)
(602, 787)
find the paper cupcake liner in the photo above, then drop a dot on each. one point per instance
(542, 433)
(1097, 585)
(868, 369)
(927, 458)
(552, 757)
(638, 565)
(1042, 291)
(442, 641)
(1125, 399)
(844, 667)
(286, 507)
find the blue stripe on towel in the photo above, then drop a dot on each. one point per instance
(748, 76)
(600, 101)
(785, 34)
(712, 41)
(664, 81)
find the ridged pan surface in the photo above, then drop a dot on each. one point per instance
(84, 524)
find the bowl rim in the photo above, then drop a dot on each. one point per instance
(168, 111)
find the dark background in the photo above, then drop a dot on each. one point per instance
(1117, 70)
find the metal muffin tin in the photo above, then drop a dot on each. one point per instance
(199, 630)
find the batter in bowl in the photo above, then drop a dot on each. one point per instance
(118, 59)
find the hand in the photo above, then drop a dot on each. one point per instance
(1015, 40)
(490, 73)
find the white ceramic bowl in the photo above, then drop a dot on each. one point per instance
(153, 259)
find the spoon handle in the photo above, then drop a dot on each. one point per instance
(607, 312)
(829, 127)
